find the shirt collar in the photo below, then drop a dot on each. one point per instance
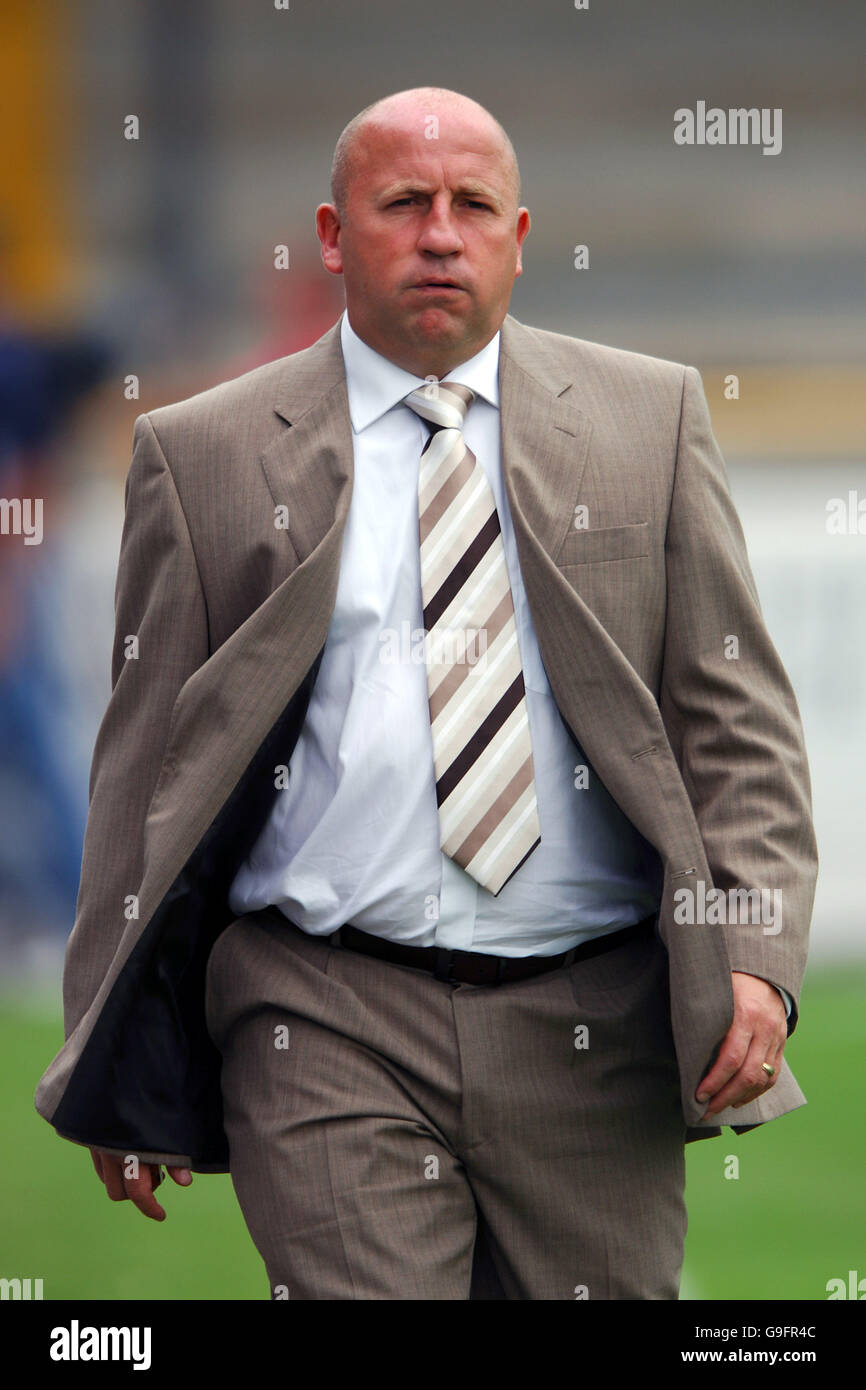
(375, 384)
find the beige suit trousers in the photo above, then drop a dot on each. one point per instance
(394, 1136)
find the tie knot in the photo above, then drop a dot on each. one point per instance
(443, 404)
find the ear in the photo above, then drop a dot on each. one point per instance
(328, 232)
(523, 225)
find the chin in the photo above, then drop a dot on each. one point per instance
(438, 325)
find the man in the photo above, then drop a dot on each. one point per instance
(467, 994)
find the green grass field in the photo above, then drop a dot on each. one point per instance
(794, 1218)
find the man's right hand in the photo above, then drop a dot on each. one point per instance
(140, 1190)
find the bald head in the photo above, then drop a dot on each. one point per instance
(420, 108)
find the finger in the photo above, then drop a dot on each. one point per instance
(761, 1087)
(773, 1059)
(732, 1054)
(140, 1193)
(182, 1176)
(747, 1084)
(97, 1163)
(112, 1175)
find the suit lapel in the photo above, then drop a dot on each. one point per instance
(309, 467)
(544, 440)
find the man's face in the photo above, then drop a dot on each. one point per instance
(430, 245)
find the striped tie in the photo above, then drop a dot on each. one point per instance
(482, 754)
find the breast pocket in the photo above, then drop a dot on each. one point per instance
(629, 542)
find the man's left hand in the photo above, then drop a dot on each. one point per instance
(758, 1034)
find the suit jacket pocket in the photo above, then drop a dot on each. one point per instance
(609, 543)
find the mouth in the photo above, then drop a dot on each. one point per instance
(439, 284)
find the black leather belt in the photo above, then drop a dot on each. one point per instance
(476, 967)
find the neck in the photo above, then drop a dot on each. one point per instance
(420, 361)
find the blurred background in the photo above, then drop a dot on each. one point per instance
(137, 271)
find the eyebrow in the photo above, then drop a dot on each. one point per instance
(470, 189)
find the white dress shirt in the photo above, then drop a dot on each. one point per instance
(354, 837)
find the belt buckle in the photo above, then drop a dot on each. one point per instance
(444, 964)
(445, 961)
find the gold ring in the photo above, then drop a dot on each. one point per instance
(771, 1071)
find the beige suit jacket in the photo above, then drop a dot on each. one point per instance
(229, 610)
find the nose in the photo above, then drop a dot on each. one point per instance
(440, 235)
